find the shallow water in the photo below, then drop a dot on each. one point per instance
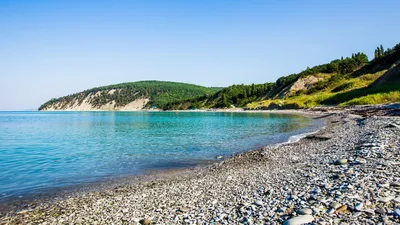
(44, 150)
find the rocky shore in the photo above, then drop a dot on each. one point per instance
(347, 173)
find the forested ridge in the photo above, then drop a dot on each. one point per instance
(351, 74)
(158, 92)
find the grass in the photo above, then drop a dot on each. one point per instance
(339, 90)
(379, 98)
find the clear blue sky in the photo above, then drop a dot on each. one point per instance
(53, 48)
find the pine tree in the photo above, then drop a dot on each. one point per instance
(388, 51)
(397, 47)
(377, 52)
(225, 101)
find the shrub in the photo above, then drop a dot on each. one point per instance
(343, 87)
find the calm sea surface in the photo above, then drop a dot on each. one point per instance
(44, 150)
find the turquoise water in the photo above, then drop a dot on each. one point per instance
(44, 150)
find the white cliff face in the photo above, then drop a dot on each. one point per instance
(303, 83)
(85, 105)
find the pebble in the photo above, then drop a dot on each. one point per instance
(380, 211)
(22, 212)
(369, 212)
(222, 216)
(395, 184)
(341, 209)
(184, 209)
(341, 162)
(361, 161)
(335, 205)
(358, 206)
(330, 211)
(396, 212)
(259, 203)
(386, 199)
(305, 211)
(145, 221)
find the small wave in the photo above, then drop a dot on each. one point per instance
(298, 137)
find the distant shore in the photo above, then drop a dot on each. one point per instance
(347, 172)
(357, 109)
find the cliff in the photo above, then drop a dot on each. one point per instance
(127, 96)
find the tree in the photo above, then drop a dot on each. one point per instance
(388, 51)
(361, 58)
(225, 102)
(397, 47)
(382, 50)
(347, 65)
(333, 67)
(244, 95)
(379, 52)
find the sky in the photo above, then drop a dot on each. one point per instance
(53, 48)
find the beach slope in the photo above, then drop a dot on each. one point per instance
(347, 172)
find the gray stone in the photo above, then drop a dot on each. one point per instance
(386, 199)
(335, 205)
(380, 211)
(369, 212)
(305, 211)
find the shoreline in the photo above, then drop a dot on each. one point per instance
(48, 195)
(249, 172)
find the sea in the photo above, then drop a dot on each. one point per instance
(41, 151)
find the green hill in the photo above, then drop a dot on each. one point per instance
(127, 96)
(346, 81)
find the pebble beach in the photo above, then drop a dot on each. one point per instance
(346, 173)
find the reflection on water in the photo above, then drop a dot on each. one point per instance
(57, 149)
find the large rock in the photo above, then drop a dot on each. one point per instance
(298, 220)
